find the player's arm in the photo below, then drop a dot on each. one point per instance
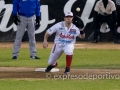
(38, 8)
(114, 13)
(15, 7)
(77, 21)
(82, 34)
(48, 33)
(95, 12)
(45, 43)
(37, 13)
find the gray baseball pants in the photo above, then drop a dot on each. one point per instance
(25, 23)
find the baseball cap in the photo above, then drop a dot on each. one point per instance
(68, 13)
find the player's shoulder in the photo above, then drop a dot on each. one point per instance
(59, 23)
(98, 2)
(75, 28)
(111, 2)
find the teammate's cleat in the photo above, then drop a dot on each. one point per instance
(67, 71)
(34, 57)
(14, 57)
(117, 42)
(48, 69)
(95, 41)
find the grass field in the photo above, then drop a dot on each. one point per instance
(83, 58)
(11, 84)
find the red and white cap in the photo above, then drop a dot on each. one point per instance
(68, 13)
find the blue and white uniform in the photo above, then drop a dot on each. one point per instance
(26, 10)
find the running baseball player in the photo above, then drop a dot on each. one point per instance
(24, 12)
(66, 33)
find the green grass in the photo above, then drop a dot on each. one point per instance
(11, 84)
(23, 59)
(93, 58)
(83, 58)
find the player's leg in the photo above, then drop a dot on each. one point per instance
(96, 33)
(19, 34)
(113, 29)
(31, 35)
(56, 52)
(68, 50)
(97, 26)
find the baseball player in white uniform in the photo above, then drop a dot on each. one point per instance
(66, 33)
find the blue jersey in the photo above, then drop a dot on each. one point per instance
(26, 8)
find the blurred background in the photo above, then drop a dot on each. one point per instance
(52, 11)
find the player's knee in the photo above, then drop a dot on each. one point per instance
(69, 53)
(18, 38)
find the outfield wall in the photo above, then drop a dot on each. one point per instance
(52, 11)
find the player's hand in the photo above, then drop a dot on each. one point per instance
(77, 21)
(37, 24)
(45, 44)
(16, 20)
(37, 20)
(105, 14)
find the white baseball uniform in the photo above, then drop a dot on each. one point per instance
(64, 40)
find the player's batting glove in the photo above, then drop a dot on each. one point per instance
(16, 20)
(78, 22)
(37, 22)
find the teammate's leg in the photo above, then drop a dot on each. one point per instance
(96, 32)
(113, 29)
(56, 52)
(20, 32)
(68, 49)
(97, 26)
(31, 35)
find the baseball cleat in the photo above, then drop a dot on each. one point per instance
(34, 57)
(117, 42)
(95, 41)
(67, 71)
(48, 69)
(14, 57)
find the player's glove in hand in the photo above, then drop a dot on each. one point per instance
(16, 20)
(37, 23)
(78, 22)
(37, 20)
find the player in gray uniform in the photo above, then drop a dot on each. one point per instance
(24, 12)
